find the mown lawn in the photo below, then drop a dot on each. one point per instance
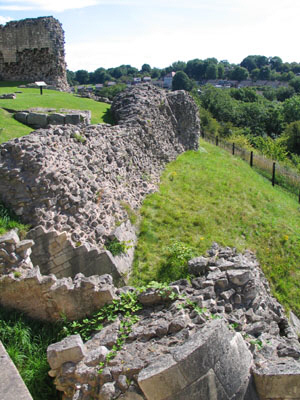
(209, 196)
(29, 98)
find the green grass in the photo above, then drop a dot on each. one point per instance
(26, 342)
(8, 220)
(29, 98)
(209, 196)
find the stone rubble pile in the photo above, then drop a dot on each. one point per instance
(8, 96)
(224, 337)
(84, 180)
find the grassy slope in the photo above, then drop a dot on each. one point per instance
(50, 98)
(209, 196)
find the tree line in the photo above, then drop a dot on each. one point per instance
(253, 67)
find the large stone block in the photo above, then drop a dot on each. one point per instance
(56, 119)
(70, 349)
(162, 379)
(12, 386)
(279, 380)
(214, 364)
(37, 120)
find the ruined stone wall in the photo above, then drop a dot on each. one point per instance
(33, 50)
(81, 180)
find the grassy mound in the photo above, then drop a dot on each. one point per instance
(209, 196)
(29, 98)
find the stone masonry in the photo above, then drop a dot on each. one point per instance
(223, 337)
(77, 186)
(33, 50)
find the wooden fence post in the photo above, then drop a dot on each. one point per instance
(233, 148)
(251, 159)
(217, 140)
(273, 174)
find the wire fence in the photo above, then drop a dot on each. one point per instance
(276, 173)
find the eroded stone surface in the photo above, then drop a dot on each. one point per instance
(175, 352)
(33, 50)
(74, 184)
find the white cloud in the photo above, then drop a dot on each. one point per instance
(52, 5)
(3, 20)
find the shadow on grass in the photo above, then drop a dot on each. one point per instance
(12, 83)
(108, 117)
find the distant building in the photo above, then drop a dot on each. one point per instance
(147, 79)
(110, 83)
(137, 80)
(168, 79)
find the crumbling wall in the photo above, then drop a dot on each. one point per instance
(86, 181)
(221, 336)
(33, 50)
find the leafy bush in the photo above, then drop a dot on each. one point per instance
(176, 262)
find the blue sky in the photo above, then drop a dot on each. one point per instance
(108, 33)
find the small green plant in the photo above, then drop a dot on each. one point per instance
(79, 138)
(117, 247)
(257, 343)
(17, 274)
(77, 244)
(175, 266)
(125, 306)
(132, 215)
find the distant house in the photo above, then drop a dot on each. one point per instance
(158, 83)
(99, 86)
(147, 79)
(137, 80)
(168, 80)
(110, 83)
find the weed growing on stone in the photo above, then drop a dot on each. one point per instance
(125, 307)
(175, 265)
(132, 215)
(117, 247)
(79, 138)
(8, 220)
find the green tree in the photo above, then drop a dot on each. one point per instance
(239, 74)
(291, 109)
(211, 71)
(275, 62)
(249, 63)
(178, 66)
(181, 81)
(292, 137)
(146, 68)
(82, 76)
(295, 83)
(284, 93)
(71, 78)
(221, 71)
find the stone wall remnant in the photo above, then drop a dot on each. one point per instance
(210, 339)
(41, 120)
(214, 341)
(31, 50)
(77, 186)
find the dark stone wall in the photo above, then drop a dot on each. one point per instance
(33, 49)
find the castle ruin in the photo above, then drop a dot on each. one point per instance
(33, 50)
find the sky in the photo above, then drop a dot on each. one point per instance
(109, 33)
